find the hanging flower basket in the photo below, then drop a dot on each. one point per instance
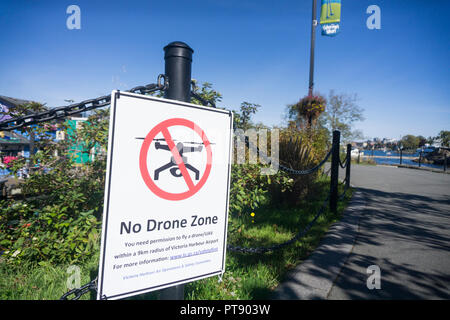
(310, 107)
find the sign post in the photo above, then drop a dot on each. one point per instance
(166, 196)
(178, 66)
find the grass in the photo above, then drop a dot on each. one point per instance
(41, 282)
(255, 276)
(247, 276)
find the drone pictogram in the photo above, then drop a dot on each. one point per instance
(178, 163)
(172, 165)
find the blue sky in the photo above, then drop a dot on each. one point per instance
(251, 50)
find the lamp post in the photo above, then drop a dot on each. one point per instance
(313, 42)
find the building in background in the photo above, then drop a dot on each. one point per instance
(21, 143)
(8, 104)
(12, 143)
(78, 150)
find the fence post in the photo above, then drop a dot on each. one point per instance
(347, 168)
(178, 64)
(445, 162)
(420, 158)
(401, 155)
(334, 171)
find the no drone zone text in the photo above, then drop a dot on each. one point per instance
(152, 225)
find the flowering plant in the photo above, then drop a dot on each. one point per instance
(8, 159)
(311, 107)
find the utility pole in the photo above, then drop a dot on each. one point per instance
(313, 43)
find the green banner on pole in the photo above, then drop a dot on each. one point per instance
(330, 16)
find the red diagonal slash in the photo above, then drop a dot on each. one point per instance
(143, 159)
(178, 159)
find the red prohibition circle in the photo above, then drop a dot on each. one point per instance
(163, 128)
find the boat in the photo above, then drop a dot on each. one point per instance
(354, 153)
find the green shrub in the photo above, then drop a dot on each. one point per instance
(58, 218)
(296, 152)
(53, 234)
(248, 188)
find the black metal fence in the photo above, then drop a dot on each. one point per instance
(331, 200)
(411, 159)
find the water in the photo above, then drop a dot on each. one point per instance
(389, 160)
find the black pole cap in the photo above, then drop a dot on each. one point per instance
(178, 64)
(178, 49)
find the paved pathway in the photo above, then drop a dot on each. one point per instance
(403, 227)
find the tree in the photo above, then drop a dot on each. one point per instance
(410, 142)
(341, 112)
(242, 119)
(206, 92)
(445, 137)
(421, 141)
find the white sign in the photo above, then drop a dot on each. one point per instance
(166, 195)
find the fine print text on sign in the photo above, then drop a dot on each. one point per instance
(166, 195)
